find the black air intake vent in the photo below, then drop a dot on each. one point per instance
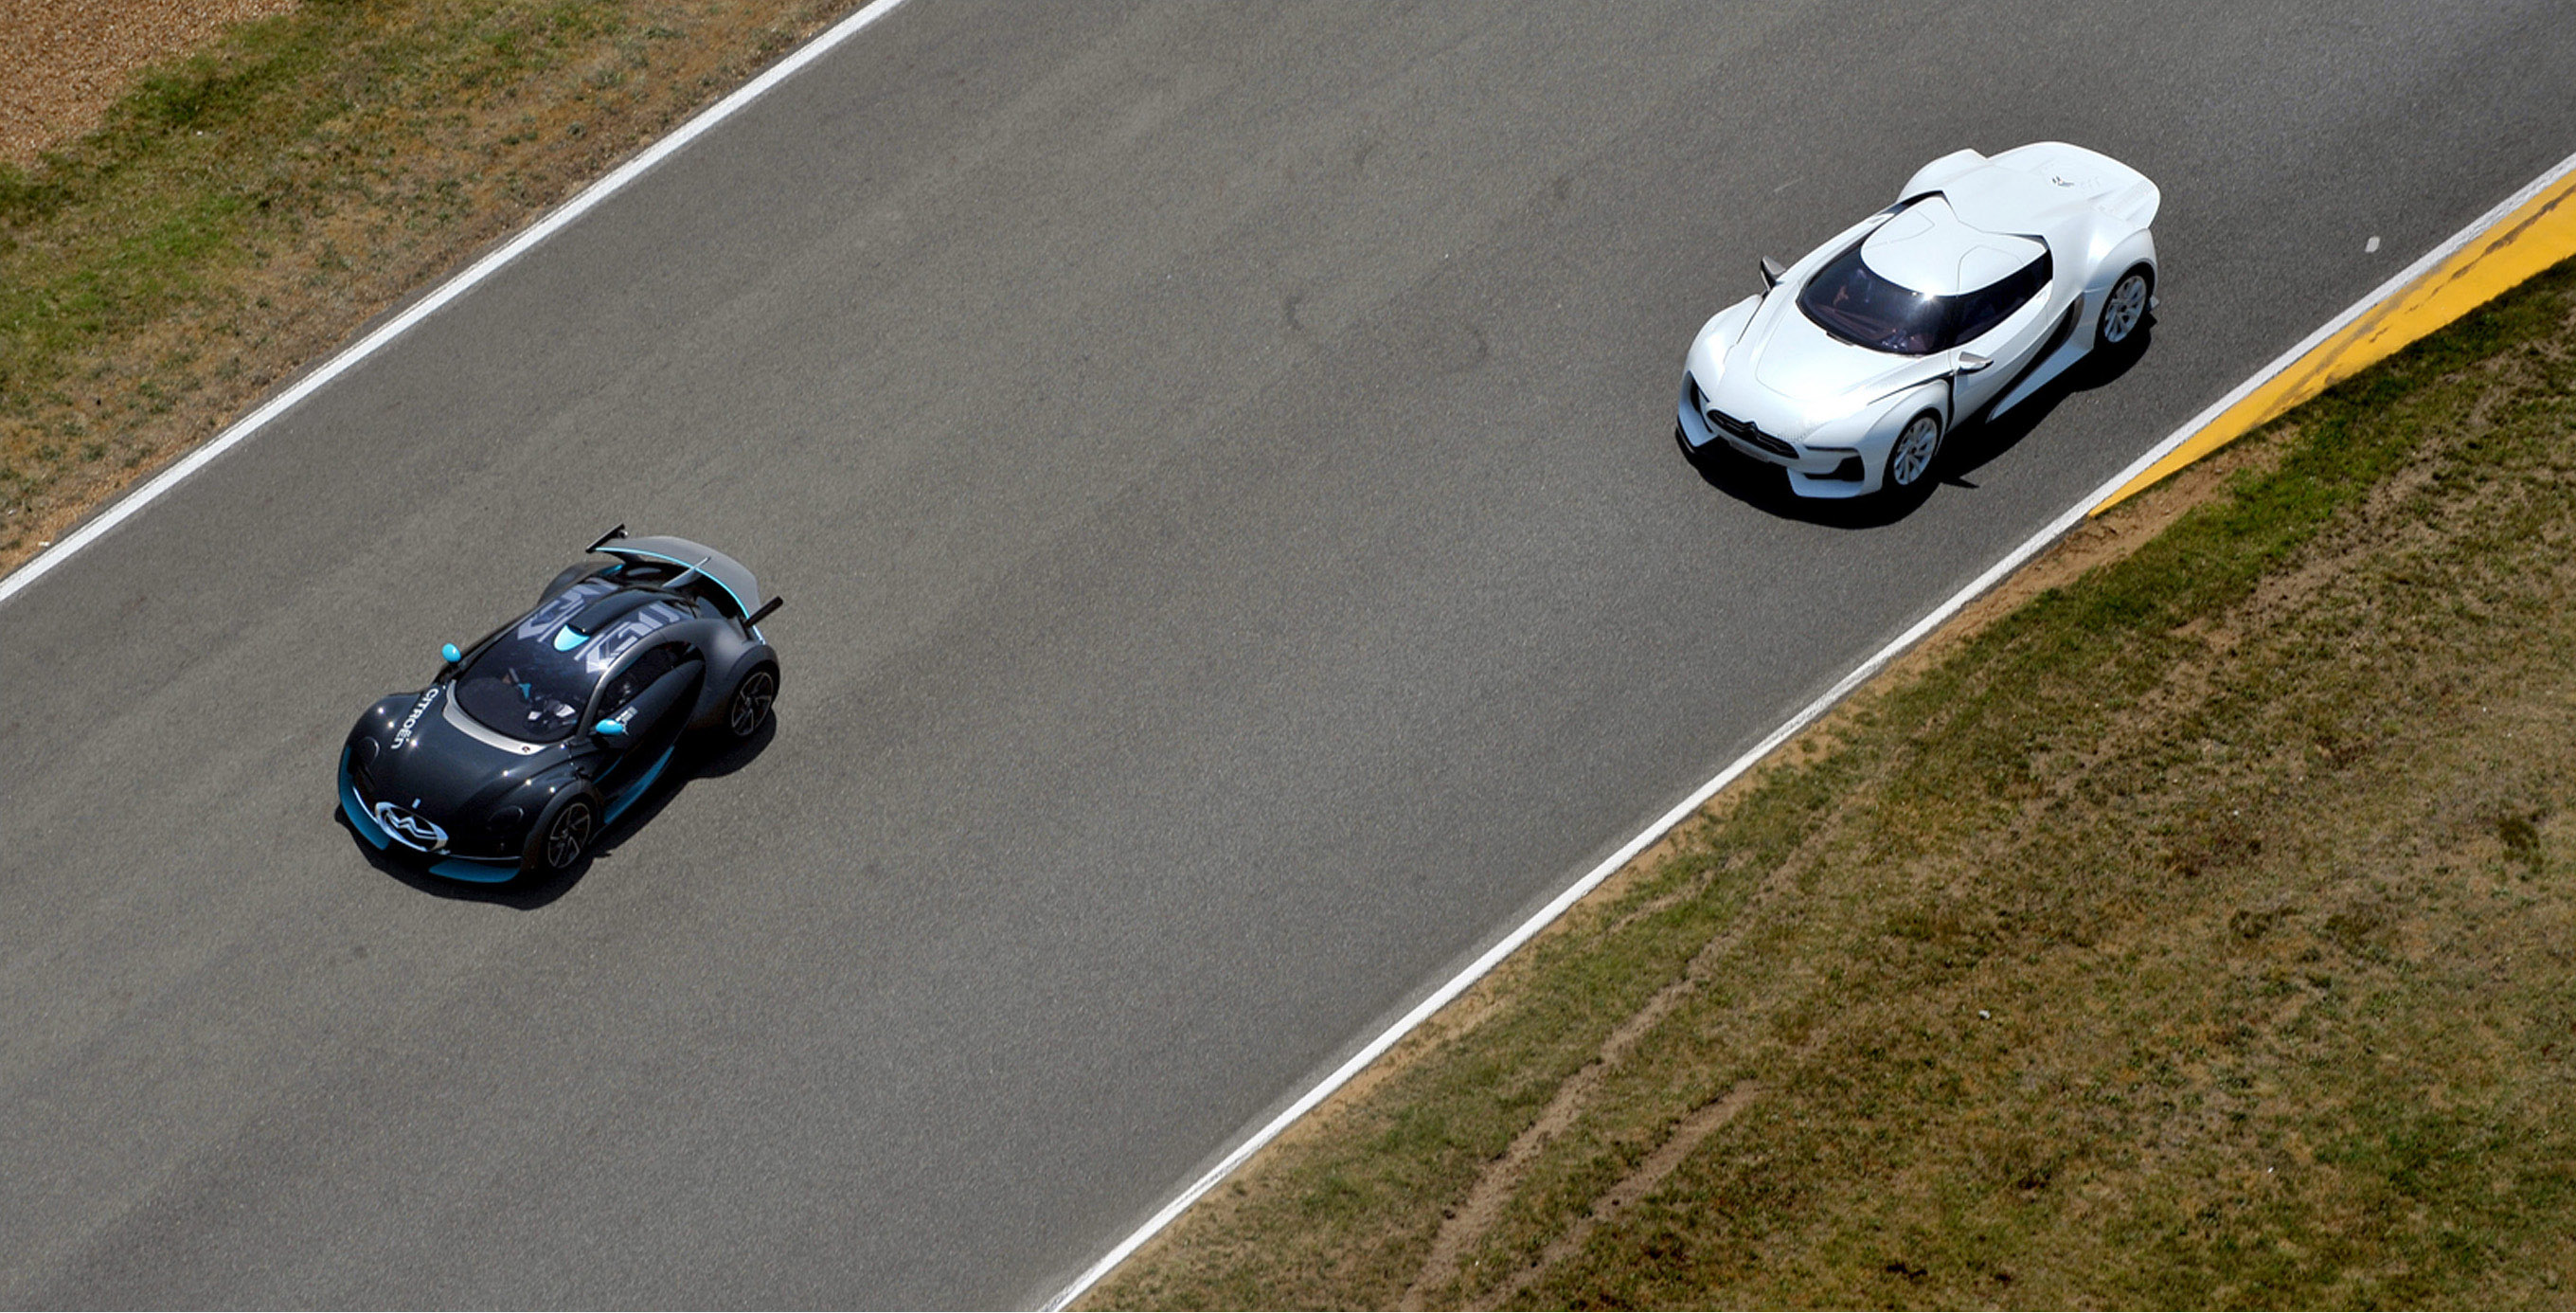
(1743, 431)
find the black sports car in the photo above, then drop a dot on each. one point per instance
(533, 740)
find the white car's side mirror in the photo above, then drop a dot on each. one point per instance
(1970, 362)
(1772, 272)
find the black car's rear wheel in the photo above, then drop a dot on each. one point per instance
(748, 709)
(563, 832)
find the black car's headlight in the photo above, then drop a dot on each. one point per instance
(507, 820)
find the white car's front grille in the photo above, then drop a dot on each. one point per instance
(1749, 433)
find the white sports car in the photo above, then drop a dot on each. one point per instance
(1985, 280)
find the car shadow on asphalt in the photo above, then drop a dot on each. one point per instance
(694, 761)
(1975, 445)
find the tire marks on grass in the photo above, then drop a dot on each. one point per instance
(1462, 1229)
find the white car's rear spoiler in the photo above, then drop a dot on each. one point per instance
(2114, 188)
(2101, 181)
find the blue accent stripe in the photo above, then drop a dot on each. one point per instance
(476, 871)
(739, 603)
(636, 790)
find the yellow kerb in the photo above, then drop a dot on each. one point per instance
(2533, 237)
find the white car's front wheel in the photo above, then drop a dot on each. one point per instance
(1910, 460)
(2126, 307)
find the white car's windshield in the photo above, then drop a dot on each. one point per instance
(1854, 302)
(1850, 300)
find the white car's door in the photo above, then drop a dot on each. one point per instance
(2011, 341)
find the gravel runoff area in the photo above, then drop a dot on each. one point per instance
(282, 180)
(68, 60)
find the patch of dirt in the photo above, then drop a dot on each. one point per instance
(2131, 525)
(68, 60)
(452, 150)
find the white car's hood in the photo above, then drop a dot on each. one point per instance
(1789, 375)
(1804, 363)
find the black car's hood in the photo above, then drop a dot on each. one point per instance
(407, 751)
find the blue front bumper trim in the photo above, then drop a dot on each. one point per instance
(474, 871)
(470, 869)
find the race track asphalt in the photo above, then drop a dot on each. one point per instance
(1218, 459)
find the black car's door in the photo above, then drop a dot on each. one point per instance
(651, 699)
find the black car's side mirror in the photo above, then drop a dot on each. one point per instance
(610, 732)
(1772, 272)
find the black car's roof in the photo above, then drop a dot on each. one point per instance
(532, 679)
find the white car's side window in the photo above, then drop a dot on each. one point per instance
(1982, 310)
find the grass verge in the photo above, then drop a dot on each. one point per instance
(2197, 933)
(246, 209)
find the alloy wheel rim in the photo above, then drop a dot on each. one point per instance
(751, 703)
(2128, 303)
(571, 831)
(1914, 450)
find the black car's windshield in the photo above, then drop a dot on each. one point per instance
(1850, 300)
(524, 688)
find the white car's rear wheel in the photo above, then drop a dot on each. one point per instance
(2126, 307)
(1911, 458)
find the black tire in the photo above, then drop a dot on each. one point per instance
(1911, 458)
(2126, 307)
(563, 833)
(747, 707)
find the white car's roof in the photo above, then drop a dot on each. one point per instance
(1929, 248)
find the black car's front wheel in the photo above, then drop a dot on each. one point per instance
(748, 709)
(563, 832)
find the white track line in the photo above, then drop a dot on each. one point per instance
(1556, 907)
(453, 288)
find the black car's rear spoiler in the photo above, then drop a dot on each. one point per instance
(606, 538)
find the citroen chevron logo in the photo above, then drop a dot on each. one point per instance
(409, 830)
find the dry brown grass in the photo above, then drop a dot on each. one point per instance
(248, 207)
(2196, 934)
